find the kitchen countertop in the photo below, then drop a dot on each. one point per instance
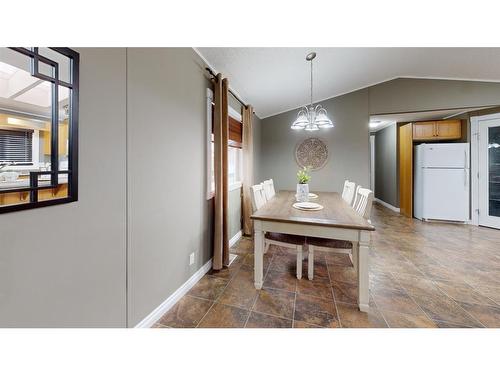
(5, 186)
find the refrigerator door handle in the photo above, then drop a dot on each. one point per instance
(465, 178)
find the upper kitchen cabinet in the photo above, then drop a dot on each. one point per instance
(449, 129)
(437, 130)
(62, 139)
(423, 131)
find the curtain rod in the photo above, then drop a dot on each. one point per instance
(230, 91)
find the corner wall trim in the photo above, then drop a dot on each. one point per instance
(385, 204)
(166, 305)
(235, 238)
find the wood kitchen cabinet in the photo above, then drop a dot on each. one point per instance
(6, 198)
(424, 130)
(62, 139)
(437, 130)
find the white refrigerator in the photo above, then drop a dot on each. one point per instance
(441, 190)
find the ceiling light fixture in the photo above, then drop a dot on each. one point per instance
(312, 118)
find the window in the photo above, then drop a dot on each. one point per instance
(38, 127)
(16, 146)
(235, 153)
(235, 165)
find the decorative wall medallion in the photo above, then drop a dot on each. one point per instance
(312, 152)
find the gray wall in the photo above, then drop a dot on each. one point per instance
(348, 145)
(234, 214)
(409, 95)
(257, 149)
(65, 266)
(147, 110)
(348, 141)
(168, 211)
(386, 184)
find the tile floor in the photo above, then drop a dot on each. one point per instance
(431, 275)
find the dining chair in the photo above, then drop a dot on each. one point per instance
(349, 192)
(258, 196)
(364, 203)
(356, 193)
(269, 189)
(285, 240)
(363, 207)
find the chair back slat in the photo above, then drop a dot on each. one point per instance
(349, 192)
(269, 189)
(356, 197)
(364, 202)
(258, 196)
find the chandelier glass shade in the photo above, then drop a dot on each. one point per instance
(311, 118)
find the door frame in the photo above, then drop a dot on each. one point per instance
(405, 168)
(372, 163)
(475, 122)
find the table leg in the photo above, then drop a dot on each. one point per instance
(354, 256)
(258, 255)
(363, 272)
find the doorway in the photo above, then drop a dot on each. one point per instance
(486, 168)
(372, 164)
(405, 150)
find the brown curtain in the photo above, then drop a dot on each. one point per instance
(221, 124)
(248, 177)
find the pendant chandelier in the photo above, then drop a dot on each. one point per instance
(313, 117)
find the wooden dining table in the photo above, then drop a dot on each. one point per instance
(337, 220)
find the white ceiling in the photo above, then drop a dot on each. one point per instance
(275, 80)
(21, 92)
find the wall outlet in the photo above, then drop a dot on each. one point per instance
(191, 259)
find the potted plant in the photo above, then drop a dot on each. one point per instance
(303, 178)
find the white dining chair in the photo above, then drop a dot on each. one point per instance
(349, 192)
(286, 240)
(364, 202)
(269, 189)
(363, 207)
(258, 197)
(356, 193)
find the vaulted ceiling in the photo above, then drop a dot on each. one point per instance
(275, 80)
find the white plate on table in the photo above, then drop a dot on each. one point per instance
(307, 206)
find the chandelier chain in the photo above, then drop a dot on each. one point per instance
(311, 82)
(312, 118)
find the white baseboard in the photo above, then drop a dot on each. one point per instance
(235, 239)
(166, 305)
(385, 204)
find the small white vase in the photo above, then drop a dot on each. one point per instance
(302, 192)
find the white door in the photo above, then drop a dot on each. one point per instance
(446, 194)
(489, 172)
(446, 155)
